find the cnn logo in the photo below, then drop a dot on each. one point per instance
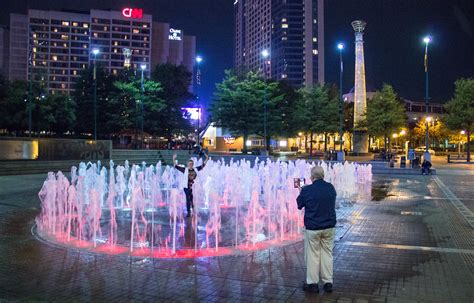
(136, 13)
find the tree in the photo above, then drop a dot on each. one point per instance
(130, 99)
(385, 114)
(13, 96)
(83, 98)
(437, 131)
(238, 104)
(461, 110)
(175, 83)
(317, 111)
(57, 114)
(280, 114)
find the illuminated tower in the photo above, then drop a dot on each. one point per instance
(361, 137)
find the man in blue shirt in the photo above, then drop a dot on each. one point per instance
(319, 202)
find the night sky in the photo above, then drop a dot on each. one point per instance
(393, 37)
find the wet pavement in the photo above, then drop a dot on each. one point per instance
(409, 244)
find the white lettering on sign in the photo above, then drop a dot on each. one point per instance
(175, 34)
(229, 140)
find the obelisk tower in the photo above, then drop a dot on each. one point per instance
(361, 137)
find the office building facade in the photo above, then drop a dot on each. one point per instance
(290, 31)
(53, 47)
(4, 56)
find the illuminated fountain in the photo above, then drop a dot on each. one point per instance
(139, 210)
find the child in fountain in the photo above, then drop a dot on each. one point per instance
(319, 202)
(190, 173)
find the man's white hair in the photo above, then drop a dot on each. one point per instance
(317, 173)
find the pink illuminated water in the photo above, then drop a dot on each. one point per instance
(140, 210)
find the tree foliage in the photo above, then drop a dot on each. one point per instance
(317, 110)
(130, 100)
(57, 114)
(83, 97)
(461, 110)
(239, 103)
(175, 83)
(385, 113)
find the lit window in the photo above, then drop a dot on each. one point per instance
(106, 28)
(95, 35)
(145, 25)
(284, 76)
(283, 19)
(136, 31)
(65, 23)
(54, 58)
(315, 51)
(315, 39)
(74, 72)
(284, 25)
(85, 25)
(63, 85)
(64, 37)
(314, 21)
(75, 24)
(55, 30)
(116, 43)
(284, 38)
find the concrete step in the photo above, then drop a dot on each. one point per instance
(398, 171)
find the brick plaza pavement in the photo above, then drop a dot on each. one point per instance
(410, 244)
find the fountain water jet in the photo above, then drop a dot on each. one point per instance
(139, 208)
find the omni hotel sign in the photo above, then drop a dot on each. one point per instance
(134, 13)
(175, 34)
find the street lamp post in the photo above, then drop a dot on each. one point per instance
(198, 84)
(142, 84)
(427, 41)
(95, 52)
(340, 157)
(265, 55)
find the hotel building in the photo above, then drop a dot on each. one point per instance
(291, 33)
(53, 47)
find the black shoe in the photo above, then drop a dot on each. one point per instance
(327, 287)
(311, 288)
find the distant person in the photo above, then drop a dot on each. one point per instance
(319, 202)
(190, 173)
(426, 167)
(416, 162)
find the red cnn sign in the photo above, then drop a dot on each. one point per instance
(136, 13)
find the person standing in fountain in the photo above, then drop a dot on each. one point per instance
(319, 202)
(190, 173)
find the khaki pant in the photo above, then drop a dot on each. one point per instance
(318, 246)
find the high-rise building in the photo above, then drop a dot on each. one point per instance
(291, 33)
(53, 47)
(4, 56)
